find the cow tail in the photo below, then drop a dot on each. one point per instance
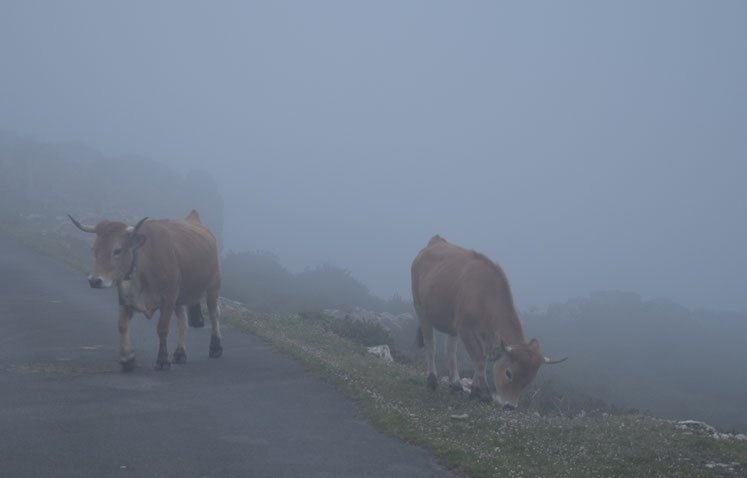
(196, 319)
(419, 338)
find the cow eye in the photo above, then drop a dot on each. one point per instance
(509, 375)
(116, 252)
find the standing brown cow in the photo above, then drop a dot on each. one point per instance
(465, 295)
(160, 264)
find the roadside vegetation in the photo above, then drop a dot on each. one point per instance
(258, 279)
(543, 438)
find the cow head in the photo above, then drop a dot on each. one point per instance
(515, 367)
(114, 251)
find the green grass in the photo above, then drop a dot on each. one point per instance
(491, 441)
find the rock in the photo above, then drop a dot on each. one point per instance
(695, 426)
(388, 321)
(704, 428)
(382, 352)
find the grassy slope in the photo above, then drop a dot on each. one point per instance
(491, 441)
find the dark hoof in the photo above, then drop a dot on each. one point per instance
(456, 387)
(432, 382)
(129, 365)
(163, 364)
(216, 349)
(180, 356)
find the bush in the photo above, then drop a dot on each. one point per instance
(258, 280)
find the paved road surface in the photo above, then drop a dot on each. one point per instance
(66, 410)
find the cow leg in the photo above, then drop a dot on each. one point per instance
(162, 361)
(195, 316)
(180, 354)
(216, 349)
(430, 356)
(126, 354)
(477, 354)
(451, 348)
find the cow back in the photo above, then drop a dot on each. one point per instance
(180, 257)
(451, 283)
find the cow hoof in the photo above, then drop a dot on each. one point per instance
(180, 356)
(128, 365)
(163, 364)
(216, 349)
(432, 382)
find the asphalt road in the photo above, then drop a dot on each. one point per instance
(66, 409)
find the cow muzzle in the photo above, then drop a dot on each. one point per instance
(503, 402)
(99, 282)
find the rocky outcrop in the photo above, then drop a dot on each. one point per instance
(702, 428)
(391, 322)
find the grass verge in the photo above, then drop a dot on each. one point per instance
(490, 441)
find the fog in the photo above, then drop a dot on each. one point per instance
(582, 145)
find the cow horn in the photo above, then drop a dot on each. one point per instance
(550, 362)
(134, 229)
(497, 352)
(82, 227)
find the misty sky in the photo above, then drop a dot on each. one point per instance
(582, 145)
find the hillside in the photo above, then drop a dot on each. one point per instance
(259, 280)
(43, 181)
(652, 355)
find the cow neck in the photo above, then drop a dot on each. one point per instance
(517, 335)
(124, 287)
(133, 265)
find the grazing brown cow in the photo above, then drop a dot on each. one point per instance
(464, 294)
(159, 264)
